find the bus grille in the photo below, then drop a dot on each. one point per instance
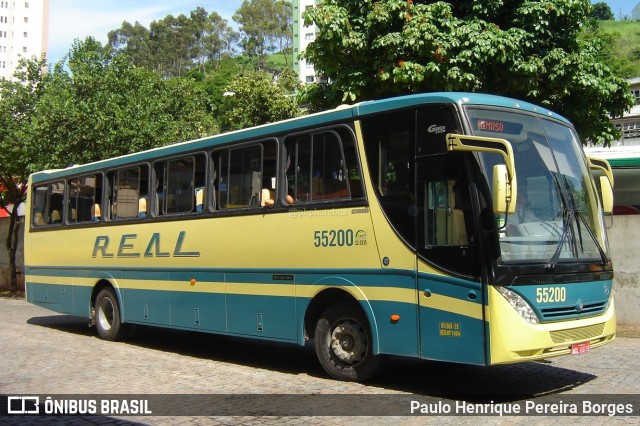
(574, 334)
(572, 311)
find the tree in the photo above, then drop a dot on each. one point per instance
(613, 50)
(523, 49)
(601, 11)
(18, 107)
(99, 105)
(175, 45)
(253, 99)
(133, 41)
(265, 26)
(213, 37)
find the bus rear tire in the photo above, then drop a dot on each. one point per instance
(343, 343)
(107, 312)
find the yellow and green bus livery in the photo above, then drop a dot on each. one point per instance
(445, 226)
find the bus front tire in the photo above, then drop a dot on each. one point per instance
(343, 343)
(107, 312)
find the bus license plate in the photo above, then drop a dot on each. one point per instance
(580, 348)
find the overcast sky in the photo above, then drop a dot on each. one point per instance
(77, 19)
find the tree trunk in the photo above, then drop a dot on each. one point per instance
(12, 246)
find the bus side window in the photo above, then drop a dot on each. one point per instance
(48, 204)
(84, 194)
(180, 191)
(56, 203)
(240, 177)
(40, 200)
(128, 187)
(448, 206)
(317, 168)
(200, 182)
(299, 167)
(446, 224)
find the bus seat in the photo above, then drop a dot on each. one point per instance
(95, 213)
(267, 198)
(142, 208)
(38, 219)
(55, 216)
(127, 200)
(199, 200)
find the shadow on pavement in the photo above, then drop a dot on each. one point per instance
(502, 383)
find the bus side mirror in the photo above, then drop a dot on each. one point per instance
(504, 185)
(607, 194)
(503, 193)
(602, 165)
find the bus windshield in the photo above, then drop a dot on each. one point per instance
(556, 214)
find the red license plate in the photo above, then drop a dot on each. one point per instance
(580, 348)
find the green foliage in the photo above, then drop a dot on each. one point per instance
(253, 99)
(20, 97)
(174, 45)
(265, 26)
(100, 105)
(621, 42)
(601, 12)
(523, 49)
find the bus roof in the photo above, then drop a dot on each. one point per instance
(341, 113)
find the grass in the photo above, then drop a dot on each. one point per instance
(627, 43)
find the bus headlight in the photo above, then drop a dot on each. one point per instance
(519, 304)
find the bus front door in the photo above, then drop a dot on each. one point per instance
(450, 291)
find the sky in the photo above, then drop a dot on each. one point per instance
(77, 19)
(620, 8)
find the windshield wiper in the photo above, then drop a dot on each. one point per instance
(581, 219)
(568, 216)
(603, 254)
(571, 214)
(567, 228)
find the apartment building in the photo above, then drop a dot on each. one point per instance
(302, 36)
(24, 29)
(629, 123)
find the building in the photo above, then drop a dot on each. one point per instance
(24, 29)
(635, 13)
(302, 36)
(624, 157)
(629, 123)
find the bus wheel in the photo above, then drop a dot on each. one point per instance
(343, 343)
(108, 316)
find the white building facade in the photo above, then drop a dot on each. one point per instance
(24, 30)
(629, 123)
(302, 36)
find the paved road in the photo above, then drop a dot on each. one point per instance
(44, 353)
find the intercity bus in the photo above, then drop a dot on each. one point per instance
(625, 164)
(457, 227)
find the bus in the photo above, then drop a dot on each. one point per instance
(625, 164)
(456, 227)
